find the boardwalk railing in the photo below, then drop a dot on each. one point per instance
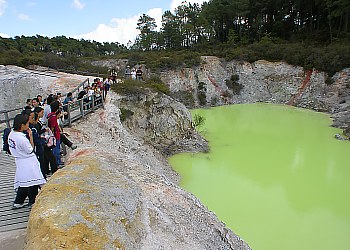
(74, 111)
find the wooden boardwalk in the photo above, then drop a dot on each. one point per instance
(13, 219)
(10, 219)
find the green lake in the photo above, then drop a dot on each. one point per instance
(275, 175)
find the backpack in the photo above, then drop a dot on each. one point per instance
(50, 140)
(5, 143)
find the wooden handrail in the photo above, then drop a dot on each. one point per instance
(85, 105)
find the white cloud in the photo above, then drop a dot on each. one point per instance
(175, 3)
(121, 29)
(4, 35)
(3, 6)
(24, 17)
(76, 4)
(156, 13)
(31, 4)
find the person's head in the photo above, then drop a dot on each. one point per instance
(21, 122)
(32, 118)
(26, 110)
(39, 111)
(59, 94)
(29, 102)
(40, 98)
(69, 94)
(35, 102)
(49, 99)
(54, 106)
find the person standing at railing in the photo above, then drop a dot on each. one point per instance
(67, 101)
(49, 158)
(107, 85)
(39, 141)
(28, 104)
(40, 98)
(47, 109)
(35, 102)
(28, 176)
(53, 125)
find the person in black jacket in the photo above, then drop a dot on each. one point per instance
(49, 158)
(39, 141)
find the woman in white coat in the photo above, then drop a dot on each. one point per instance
(28, 176)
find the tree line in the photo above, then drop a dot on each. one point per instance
(245, 21)
(312, 34)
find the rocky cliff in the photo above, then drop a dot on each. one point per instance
(264, 81)
(117, 192)
(161, 122)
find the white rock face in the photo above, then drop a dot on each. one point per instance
(263, 81)
(18, 84)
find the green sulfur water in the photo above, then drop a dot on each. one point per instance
(274, 174)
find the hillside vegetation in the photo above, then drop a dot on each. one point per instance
(312, 34)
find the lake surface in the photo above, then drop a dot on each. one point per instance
(275, 175)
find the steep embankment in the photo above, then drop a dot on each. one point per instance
(117, 192)
(264, 81)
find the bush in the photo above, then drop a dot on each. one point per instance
(129, 87)
(198, 120)
(135, 87)
(185, 97)
(125, 114)
(233, 84)
(202, 96)
(156, 84)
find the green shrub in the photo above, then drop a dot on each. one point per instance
(198, 121)
(233, 84)
(156, 84)
(125, 114)
(135, 87)
(128, 87)
(185, 97)
(202, 95)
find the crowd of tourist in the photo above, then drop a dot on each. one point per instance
(134, 74)
(36, 137)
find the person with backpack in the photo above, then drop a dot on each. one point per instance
(52, 123)
(49, 158)
(28, 175)
(39, 141)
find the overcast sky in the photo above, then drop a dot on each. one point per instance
(99, 20)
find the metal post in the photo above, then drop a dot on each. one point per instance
(7, 120)
(93, 102)
(68, 114)
(81, 104)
